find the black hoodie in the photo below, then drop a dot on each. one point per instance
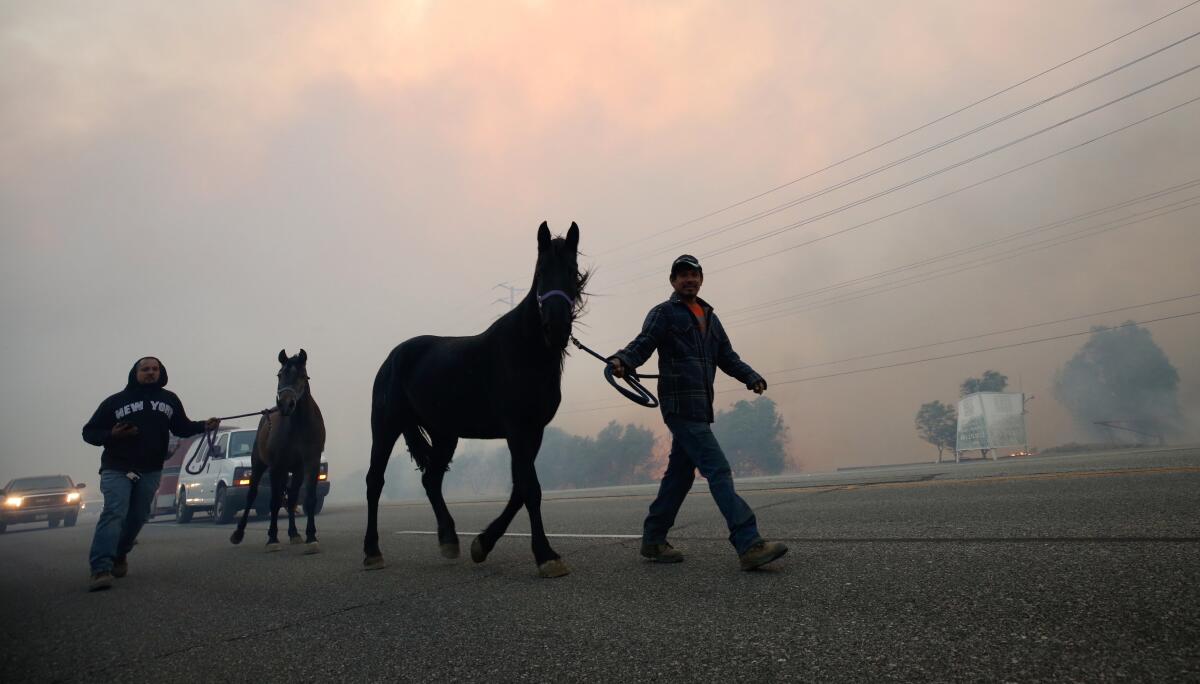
(154, 410)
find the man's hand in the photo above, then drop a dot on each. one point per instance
(758, 387)
(618, 368)
(211, 424)
(123, 430)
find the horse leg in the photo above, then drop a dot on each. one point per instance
(258, 467)
(277, 484)
(431, 479)
(293, 500)
(486, 541)
(384, 434)
(310, 530)
(549, 563)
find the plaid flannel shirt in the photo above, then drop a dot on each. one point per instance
(687, 360)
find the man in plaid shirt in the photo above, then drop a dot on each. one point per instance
(692, 345)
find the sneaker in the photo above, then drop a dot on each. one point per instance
(120, 566)
(661, 553)
(100, 581)
(762, 553)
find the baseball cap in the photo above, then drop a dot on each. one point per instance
(685, 261)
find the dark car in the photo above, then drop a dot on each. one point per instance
(52, 498)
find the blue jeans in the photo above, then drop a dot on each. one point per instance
(126, 509)
(693, 446)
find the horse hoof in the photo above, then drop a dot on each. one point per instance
(477, 553)
(236, 537)
(296, 540)
(274, 546)
(449, 550)
(373, 563)
(554, 568)
(311, 548)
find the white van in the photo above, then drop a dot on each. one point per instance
(218, 480)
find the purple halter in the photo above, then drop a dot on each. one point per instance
(555, 293)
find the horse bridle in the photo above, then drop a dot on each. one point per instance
(299, 393)
(556, 293)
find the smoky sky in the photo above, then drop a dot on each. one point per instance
(212, 184)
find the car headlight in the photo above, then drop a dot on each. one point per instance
(72, 497)
(13, 501)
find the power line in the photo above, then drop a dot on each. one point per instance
(1021, 250)
(934, 358)
(867, 174)
(986, 334)
(1003, 256)
(939, 343)
(1016, 141)
(973, 104)
(811, 219)
(902, 135)
(980, 351)
(972, 248)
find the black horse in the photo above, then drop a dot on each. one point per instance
(289, 441)
(501, 384)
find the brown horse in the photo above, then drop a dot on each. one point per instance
(289, 441)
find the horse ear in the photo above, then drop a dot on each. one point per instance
(282, 357)
(573, 237)
(543, 237)
(303, 356)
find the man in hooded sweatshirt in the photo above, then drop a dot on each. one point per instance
(133, 426)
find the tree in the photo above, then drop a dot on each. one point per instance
(1121, 374)
(620, 454)
(617, 455)
(991, 381)
(937, 424)
(753, 435)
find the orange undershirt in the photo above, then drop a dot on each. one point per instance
(698, 312)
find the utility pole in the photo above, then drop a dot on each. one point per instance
(512, 294)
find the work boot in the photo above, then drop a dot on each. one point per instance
(761, 553)
(120, 566)
(100, 581)
(661, 553)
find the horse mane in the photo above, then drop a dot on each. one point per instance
(579, 306)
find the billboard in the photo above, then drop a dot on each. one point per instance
(990, 420)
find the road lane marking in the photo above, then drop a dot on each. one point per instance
(884, 540)
(564, 496)
(548, 534)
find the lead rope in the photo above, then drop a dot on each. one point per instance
(640, 395)
(210, 439)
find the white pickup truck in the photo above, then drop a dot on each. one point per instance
(218, 481)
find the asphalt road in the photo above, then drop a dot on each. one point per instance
(1070, 568)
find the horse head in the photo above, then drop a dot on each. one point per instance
(293, 381)
(558, 285)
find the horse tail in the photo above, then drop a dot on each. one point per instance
(419, 447)
(390, 407)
